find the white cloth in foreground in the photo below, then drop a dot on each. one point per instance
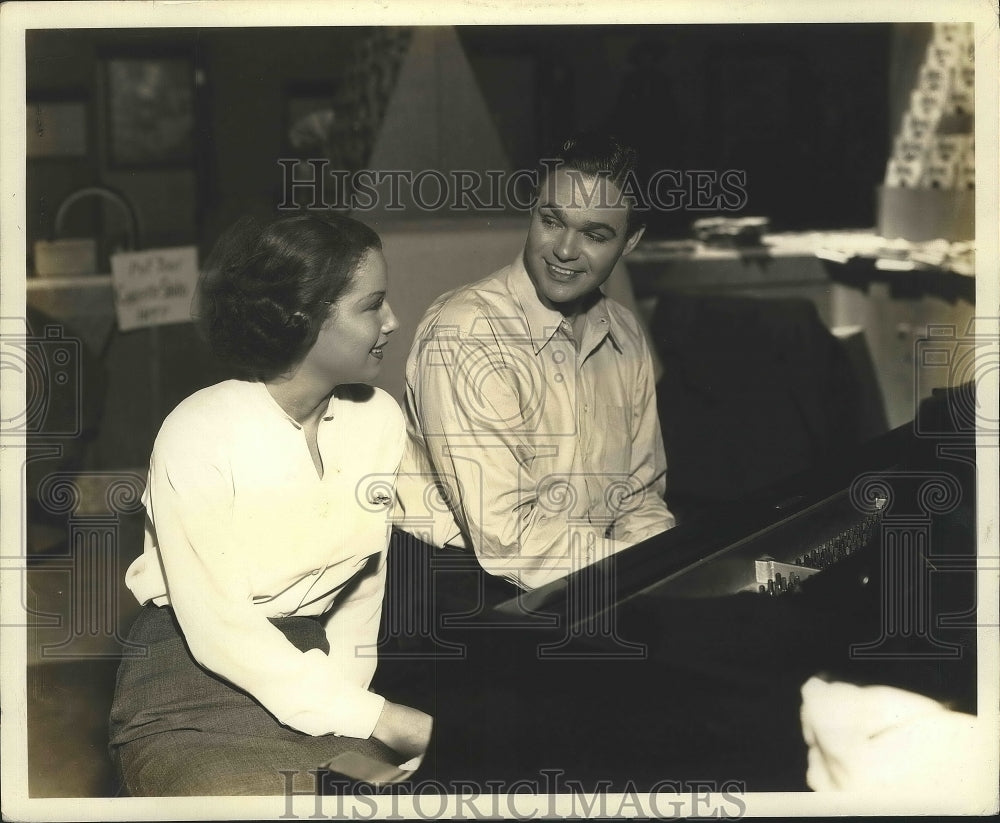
(884, 739)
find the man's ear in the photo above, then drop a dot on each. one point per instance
(633, 239)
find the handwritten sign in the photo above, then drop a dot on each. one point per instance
(154, 287)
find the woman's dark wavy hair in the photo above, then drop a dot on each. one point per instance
(597, 154)
(266, 289)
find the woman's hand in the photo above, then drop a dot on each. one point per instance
(404, 729)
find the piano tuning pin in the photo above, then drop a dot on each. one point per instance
(770, 587)
(762, 589)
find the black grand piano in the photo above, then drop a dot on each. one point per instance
(681, 659)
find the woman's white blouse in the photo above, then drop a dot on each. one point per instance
(240, 528)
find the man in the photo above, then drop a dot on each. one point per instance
(530, 397)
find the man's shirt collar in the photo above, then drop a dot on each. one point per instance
(544, 322)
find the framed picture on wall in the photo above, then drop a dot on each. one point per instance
(309, 116)
(151, 110)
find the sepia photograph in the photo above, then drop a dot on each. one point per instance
(499, 410)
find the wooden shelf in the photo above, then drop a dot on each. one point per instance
(76, 282)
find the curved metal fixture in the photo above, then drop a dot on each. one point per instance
(131, 217)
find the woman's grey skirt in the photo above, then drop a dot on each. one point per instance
(177, 729)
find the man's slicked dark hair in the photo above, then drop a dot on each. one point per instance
(596, 154)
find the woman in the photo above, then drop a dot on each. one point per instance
(267, 524)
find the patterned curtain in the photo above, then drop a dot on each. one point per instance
(363, 95)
